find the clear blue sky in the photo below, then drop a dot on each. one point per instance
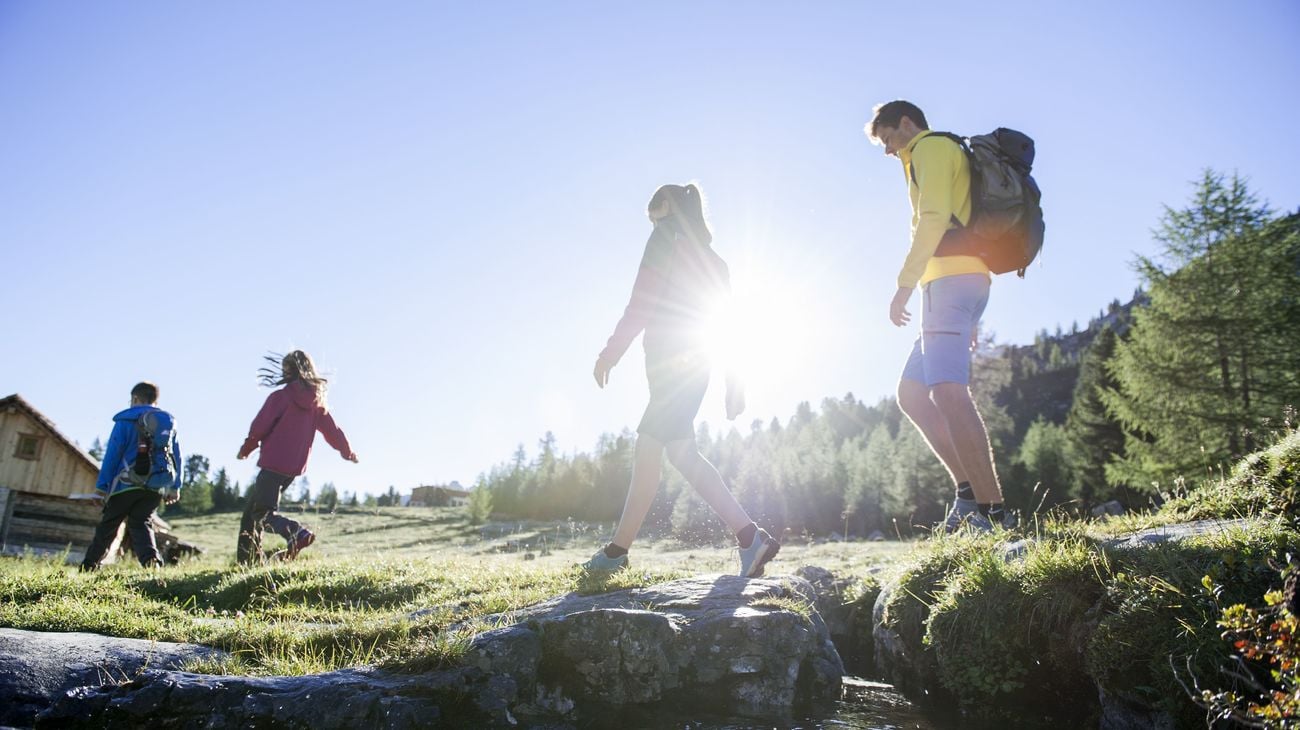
(444, 204)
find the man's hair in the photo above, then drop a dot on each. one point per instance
(146, 392)
(891, 113)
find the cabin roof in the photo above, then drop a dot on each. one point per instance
(17, 401)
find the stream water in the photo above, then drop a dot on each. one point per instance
(863, 705)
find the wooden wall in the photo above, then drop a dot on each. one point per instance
(43, 523)
(58, 471)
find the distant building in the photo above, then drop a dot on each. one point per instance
(440, 495)
(45, 484)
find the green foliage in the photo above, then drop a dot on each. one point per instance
(1213, 355)
(1096, 438)
(196, 498)
(1046, 457)
(328, 499)
(1157, 619)
(480, 504)
(1002, 630)
(1005, 635)
(1266, 681)
(196, 469)
(1266, 482)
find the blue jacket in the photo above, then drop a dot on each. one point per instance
(121, 451)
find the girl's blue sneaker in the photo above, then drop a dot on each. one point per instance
(760, 551)
(602, 563)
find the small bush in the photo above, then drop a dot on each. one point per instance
(1266, 689)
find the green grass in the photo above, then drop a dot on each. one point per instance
(1031, 635)
(394, 587)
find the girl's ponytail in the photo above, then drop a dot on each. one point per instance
(688, 205)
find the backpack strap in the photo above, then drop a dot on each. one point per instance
(961, 143)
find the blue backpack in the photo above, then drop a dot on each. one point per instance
(154, 465)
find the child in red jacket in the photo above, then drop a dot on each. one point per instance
(285, 429)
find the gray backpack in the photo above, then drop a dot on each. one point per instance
(1006, 225)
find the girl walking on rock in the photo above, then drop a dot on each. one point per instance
(678, 284)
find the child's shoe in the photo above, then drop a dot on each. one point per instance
(300, 541)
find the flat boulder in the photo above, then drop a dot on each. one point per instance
(36, 667)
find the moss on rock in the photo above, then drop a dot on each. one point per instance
(1036, 631)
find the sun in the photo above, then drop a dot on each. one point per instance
(766, 331)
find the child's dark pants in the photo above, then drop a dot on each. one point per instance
(135, 506)
(260, 513)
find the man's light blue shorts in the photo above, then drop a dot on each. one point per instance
(950, 311)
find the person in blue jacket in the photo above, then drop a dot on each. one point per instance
(131, 489)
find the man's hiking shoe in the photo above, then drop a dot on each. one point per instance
(760, 551)
(966, 513)
(300, 541)
(602, 563)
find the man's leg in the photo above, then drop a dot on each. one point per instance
(950, 313)
(647, 467)
(115, 510)
(970, 438)
(138, 524)
(914, 400)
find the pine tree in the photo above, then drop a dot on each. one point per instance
(224, 494)
(1096, 437)
(1212, 357)
(328, 499)
(196, 468)
(1044, 454)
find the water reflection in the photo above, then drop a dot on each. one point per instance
(863, 705)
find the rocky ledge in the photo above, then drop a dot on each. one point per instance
(743, 646)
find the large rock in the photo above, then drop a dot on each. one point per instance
(36, 667)
(750, 646)
(741, 646)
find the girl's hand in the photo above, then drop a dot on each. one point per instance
(735, 402)
(352, 457)
(601, 372)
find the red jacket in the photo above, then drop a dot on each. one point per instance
(286, 427)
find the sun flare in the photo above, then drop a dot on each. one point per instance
(766, 331)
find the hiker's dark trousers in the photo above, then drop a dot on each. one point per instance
(260, 513)
(136, 506)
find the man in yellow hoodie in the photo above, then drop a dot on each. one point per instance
(934, 390)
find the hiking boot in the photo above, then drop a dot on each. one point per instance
(760, 551)
(966, 512)
(602, 563)
(300, 541)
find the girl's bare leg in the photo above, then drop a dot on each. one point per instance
(706, 480)
(647, 467)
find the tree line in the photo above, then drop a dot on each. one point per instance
(1199, 369)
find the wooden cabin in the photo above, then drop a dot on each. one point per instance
(440, 495)
(46, 481)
